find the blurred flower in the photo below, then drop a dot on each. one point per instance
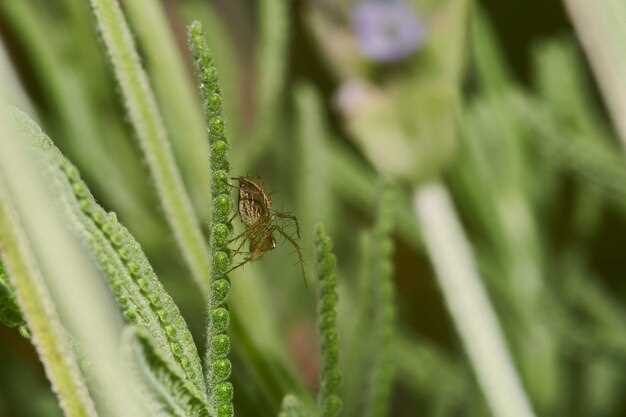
(356, 95)
(387, 30)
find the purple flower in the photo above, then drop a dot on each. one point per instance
(387, 30)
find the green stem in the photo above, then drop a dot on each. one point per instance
(384, 300)
(330, 403)
(469, 304)
(145, 117)
(218, 346)
(181, 108)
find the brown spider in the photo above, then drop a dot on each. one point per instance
(261, 222)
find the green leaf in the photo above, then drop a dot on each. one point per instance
(176, 95)
(10, 314)
(137, 290)
(169, 391)
(48, 267)
(148, 124)
(74, 118)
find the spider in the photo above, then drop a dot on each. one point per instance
(261, 222)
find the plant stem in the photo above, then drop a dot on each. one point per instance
(329, 402)
(146, 119)
(182, 112)
(218, 347)
(468, 303)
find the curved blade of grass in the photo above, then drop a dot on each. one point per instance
(144, 115)
(180, 107)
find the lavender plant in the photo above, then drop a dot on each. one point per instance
(483, 278)
(330, 377)
(217, 362)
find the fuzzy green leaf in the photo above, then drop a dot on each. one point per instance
(181, 108)
(137, 290)
(170, 392)
(146, 119)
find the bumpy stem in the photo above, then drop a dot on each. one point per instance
(218, 347)
(328, 400)
(381, 377)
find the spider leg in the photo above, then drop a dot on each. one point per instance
(297, 248)
(243, 241)
(245, 261)
(242, 234)
(245, 234)
(290, 217)
(248, 234)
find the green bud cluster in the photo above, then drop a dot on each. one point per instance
(217, 361)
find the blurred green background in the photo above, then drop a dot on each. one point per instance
(512, 120)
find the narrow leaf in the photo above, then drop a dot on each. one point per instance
(146, 119)
(137, 290)
(169, 391)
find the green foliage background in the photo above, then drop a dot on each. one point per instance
(510, 123)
